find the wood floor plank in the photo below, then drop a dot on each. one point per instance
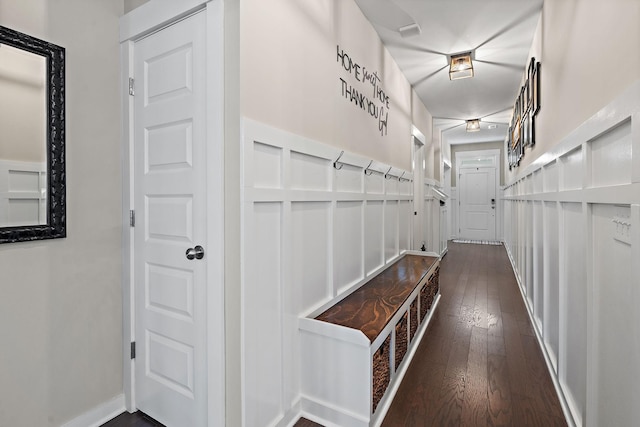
(475, 405)
(479, 362)
(499, 392)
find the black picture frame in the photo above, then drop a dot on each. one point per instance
(509, 148)
(54, 55)
(532, 128)
(535, 95)
(526, 133)
(530, 82)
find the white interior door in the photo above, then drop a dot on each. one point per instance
(170, 204)
(477, 191)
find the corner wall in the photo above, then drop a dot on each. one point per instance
(61, 305)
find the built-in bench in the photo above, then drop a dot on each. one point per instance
(355, 351)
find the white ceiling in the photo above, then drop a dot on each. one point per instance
(500, 32)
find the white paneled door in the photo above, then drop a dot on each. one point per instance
(477, 190)
(170, 230)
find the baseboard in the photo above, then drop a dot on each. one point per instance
(100, 414)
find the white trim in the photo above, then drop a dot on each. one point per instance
(128, 298)
(137, 24)
(100, 414)
(419, 136)
(155, 15)
(215, 213)
(494, 154)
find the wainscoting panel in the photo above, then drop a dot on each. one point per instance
(551, 281)
(311, 231)
(611, 157)
(374, 236)
(391, 230)
(572, 231)
(573, 309)
(616, 376)
(264, 340)
(348, 244)
(538, 263)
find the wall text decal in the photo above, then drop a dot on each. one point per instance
(375, 103)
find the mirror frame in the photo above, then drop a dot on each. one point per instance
(56, 226)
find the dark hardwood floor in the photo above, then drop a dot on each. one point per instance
(478, 364)
(138, 419)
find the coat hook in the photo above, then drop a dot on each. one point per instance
(386, 175)
(335, 164)
(367, 169)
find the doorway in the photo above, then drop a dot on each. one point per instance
(173, 279)
(418, 166)
(478, 180)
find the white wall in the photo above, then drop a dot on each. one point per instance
(61, 305)
(581, 45)
(291, 77)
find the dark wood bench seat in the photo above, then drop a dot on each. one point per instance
(373, 305)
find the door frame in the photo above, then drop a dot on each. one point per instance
(494, 155)
(135, 25)
(417, 139)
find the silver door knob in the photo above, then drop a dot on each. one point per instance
(197, 252)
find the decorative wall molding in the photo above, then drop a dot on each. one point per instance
(311, 232)
(574, 264)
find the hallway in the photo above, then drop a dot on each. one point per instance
(479, 363)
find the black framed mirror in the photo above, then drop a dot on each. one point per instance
(32, 138)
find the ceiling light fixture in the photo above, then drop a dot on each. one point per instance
(461, 66)
(473, 125)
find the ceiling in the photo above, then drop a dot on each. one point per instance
(499, 31)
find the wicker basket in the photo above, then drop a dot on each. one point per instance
(381, 372)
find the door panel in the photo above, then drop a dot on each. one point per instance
(170, 203)
(477, 190)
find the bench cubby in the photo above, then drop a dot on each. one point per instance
(356, 348)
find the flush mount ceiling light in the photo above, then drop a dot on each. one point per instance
(473, 125)
(461, 66)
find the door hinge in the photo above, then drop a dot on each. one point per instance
(133, 350)
(132, 218)
(131, 87)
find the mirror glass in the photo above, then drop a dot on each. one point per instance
(23, 117)
(32, 138)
